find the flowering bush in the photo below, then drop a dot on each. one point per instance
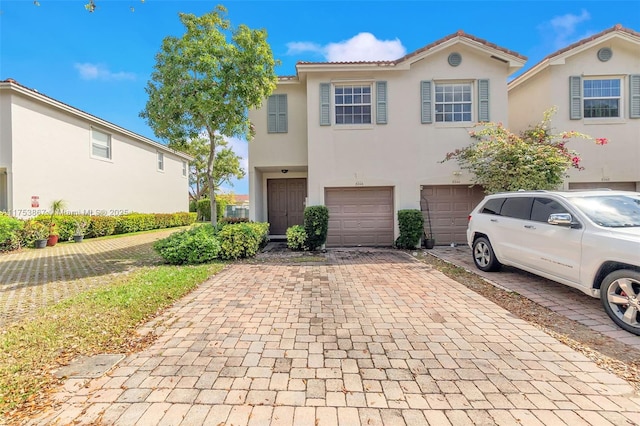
(503, 161)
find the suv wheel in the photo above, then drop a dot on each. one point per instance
(483, 255)
(620, 295)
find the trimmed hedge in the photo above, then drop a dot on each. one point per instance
(65, 226)
(316, 226)
(410, 224)
(203, 243)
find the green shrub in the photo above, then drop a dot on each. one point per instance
(410, 224)
(135, 222)
(192, 206)
(296, 238)
(232, 220)
(164, 220)
(240, 240)
(102, 226)
(196, 245)
(31, 231)
(9, 232)
(203, 208)
(316, 225)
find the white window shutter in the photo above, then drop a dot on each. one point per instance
(483, 100)
(575, 97)
(325, 104)
(634, 96)
(381, 102)
(425, 95)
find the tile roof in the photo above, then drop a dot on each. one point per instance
(458, 33)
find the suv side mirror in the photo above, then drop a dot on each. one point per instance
(563, 219)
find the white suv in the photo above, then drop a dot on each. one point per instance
(589, 240)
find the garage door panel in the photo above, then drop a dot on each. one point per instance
(449, 207)
(360, 216)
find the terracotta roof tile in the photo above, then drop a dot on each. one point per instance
(458, 33)
(615, 28)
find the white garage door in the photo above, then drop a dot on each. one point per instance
(618, 186)
(360, 216)
(449, 208)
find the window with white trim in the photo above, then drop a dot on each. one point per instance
(160, 161)
(601, 98)
(453, 102)
(100, 144)
(184, 168)
(352, 104)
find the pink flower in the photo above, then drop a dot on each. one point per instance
(602, 141)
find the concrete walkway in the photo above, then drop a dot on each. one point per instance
(369, 337)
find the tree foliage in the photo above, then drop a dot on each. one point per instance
(227, 165)
(204, 84)
(536, 159)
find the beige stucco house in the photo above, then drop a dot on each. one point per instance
(595, 85)
(366, 140)
(50, 150)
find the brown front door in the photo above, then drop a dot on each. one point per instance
(285, 203)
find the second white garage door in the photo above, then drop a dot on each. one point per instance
(360, 216)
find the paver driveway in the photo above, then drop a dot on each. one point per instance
(371, 337)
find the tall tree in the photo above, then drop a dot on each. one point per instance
(204, 83)
(536, 159)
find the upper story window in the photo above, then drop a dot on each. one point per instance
(353, 104)
(601, 98)
(184, 168)
(160, 161)
(453, 102)
(100, 144)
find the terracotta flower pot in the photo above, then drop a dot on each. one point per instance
(52, 241)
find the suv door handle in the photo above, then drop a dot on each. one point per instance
(529, 226)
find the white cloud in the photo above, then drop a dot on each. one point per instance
(362, 47)
(89, 71)
(564, 29)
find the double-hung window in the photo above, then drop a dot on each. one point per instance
(453, 102)
(184, 168)
(160, 161)
(601, 98)
(100, 144)
(353, 104)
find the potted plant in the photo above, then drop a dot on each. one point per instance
(429, 238)
(81, 227)
(56, 207)
(39, 232)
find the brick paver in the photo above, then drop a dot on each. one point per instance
(557, 297)
(33, 278)
(370, 337)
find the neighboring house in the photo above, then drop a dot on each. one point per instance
(595, 84)
(50, 150)
(366, 140)
(240, 206)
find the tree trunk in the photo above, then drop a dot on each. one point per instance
(212, 190)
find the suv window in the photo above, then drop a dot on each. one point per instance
(492, 206)
(543, 207)
(517, 207)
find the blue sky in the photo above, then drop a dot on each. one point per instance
(100, 62)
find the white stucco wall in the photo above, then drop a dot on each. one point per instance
(616, 162)
(52, 160)
(403, 153)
